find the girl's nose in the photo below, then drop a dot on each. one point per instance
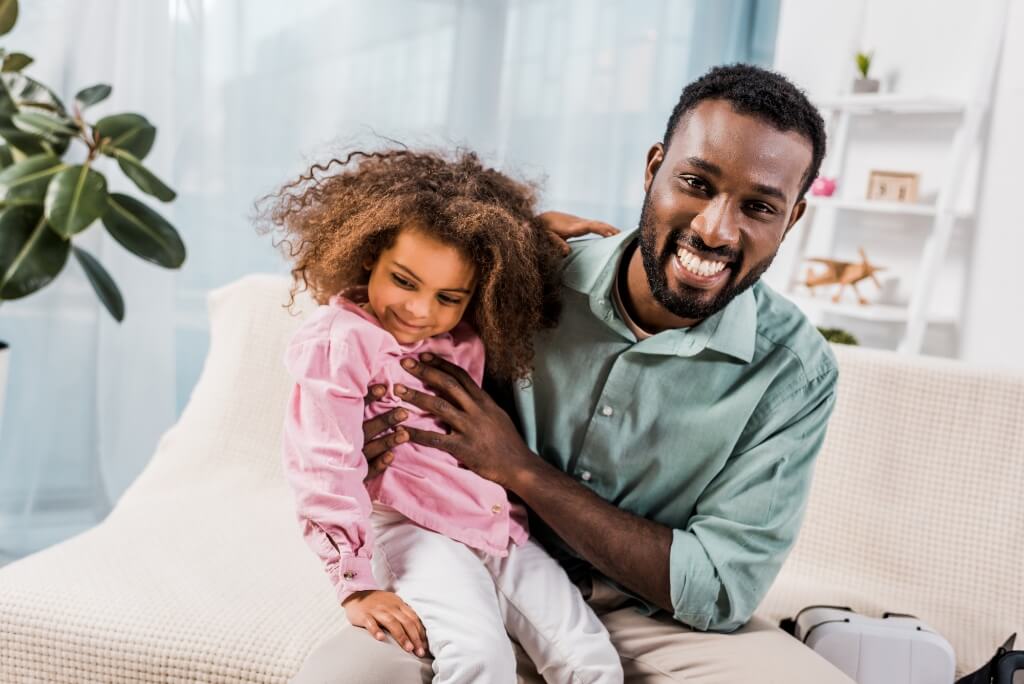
(418, 307)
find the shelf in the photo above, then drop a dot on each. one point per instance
(894, 103)
(877, 206)
(814, 306)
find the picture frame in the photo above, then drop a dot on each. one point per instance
(893, 186)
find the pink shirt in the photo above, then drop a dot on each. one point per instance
(340, 351)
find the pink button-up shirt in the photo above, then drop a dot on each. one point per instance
(335, 356)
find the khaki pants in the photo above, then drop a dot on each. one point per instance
(653, 649)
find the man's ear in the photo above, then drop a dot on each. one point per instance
(655, 156)
(798, 210)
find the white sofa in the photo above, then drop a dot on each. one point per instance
(199, 573)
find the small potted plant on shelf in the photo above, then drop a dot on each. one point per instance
(864, 84)
(46, 202)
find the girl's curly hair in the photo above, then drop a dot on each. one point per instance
(339, 215)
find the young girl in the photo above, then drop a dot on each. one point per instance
(411, 252)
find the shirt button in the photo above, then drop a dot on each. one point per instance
(607, 410)
(585, 476)
(349, 575)
(496, 508)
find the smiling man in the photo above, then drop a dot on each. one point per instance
(666, 442)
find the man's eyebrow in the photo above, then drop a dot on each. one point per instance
(716, 170)
(705, 165)
(420, 280)
(771, 192)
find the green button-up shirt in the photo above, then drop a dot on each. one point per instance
(710, 430)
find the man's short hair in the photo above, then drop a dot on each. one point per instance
(762, 94)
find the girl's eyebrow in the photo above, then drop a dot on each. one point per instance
(419, 280)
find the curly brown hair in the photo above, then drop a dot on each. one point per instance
(342, 214)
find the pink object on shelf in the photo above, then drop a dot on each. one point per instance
(823, 186)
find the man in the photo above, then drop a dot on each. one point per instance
(669, 433)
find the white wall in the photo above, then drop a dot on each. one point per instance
(926, 48)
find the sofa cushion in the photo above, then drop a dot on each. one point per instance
(917, 503)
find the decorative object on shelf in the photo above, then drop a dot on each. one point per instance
(865, 84)
(838, 336)
(842, 273)
(892, 186)
(823, 186)
(46, 201)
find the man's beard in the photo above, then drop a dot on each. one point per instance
(688, 303)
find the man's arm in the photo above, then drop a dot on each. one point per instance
(629, 549)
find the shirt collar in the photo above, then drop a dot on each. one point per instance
(731, 331)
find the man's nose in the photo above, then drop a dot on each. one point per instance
(717, 224)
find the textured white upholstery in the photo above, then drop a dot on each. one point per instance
(200, 574)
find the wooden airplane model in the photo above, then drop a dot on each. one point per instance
(842, 273)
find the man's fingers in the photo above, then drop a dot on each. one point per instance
(439, 407)
(373, 628)
(378, 424)
(378, 465)
(445, 384)
(374, 393)
(437, 440)
(457, 372)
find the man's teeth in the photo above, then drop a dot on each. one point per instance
(694, 264)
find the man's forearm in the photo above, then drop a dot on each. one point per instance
(629, 549)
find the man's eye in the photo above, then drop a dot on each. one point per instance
(401, 282)
(761, 207)
(695, 183)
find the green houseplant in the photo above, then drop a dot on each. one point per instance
(52, 188)
(864, 84)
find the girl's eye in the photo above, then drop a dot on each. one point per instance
(401, 282)
(448, 301)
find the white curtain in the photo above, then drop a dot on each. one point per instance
(246, 93)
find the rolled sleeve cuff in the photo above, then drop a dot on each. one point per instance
(694, 586)
(352, 574)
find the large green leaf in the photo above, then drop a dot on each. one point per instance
(75, 198)
(129, 132)
(26, 90)
(31, 255)
(143, 177)
(26, 143)
(16, 61)
(25, 182)
(143, 231)
(87, 97)
(8, 15)
(102, 283)
(46, 125)
(6, 156)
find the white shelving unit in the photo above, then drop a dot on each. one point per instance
(826, 214)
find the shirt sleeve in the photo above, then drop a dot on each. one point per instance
(324, 461)
(747, 519)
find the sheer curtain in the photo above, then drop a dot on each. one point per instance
(244, 95)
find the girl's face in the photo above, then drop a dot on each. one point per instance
(419, 287)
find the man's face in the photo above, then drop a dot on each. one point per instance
(718, 203)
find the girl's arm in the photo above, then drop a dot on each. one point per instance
(324, 464)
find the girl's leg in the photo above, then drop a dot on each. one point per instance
(445, 583)
(547, 615)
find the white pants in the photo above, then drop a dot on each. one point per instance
(467, 599)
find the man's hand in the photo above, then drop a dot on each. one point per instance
(563, 226)
(481, 435)
(378, 451)
(377, 611)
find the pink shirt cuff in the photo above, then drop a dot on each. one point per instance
(352, 574)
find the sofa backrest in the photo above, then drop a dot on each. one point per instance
(917, 503)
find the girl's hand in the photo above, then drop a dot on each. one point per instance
(377, 611)
(563, 226)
